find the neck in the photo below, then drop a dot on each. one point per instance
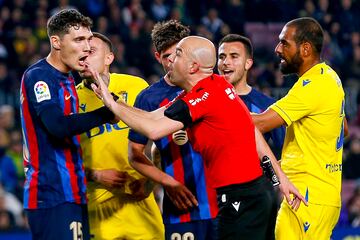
(242, 88)
(307, 65)
(193, 80)
(54, 60)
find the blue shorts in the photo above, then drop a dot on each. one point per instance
(199, 230)
(67, 221)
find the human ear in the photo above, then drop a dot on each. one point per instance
(248, 64)
(55, 42)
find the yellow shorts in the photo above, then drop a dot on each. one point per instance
(314, 222)
(113, 219)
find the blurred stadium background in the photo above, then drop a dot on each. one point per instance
(128, 23)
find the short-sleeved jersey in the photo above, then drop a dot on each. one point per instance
(53, 166)
(223, 132)
(312, 154)
(179, 161)
(257, 102)
(106, 146)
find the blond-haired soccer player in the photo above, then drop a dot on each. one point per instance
(121, 205)
(313, 111)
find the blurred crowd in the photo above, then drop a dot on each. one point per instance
(128, 23)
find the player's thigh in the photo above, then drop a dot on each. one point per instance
(287, 224)
(196, 230)
(131, 220)
(312, 222)
(66, 221)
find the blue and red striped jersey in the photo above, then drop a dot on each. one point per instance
(53, 166)
(179, 161)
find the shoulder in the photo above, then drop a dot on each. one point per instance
(125, 82)
(258, 95)
(38, 73)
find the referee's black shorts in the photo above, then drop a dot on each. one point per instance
(246, 211)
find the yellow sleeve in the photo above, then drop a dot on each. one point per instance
(300, 101)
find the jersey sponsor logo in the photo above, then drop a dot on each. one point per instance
(231, 93)
(180, 137)
(83, 107)
(236, 205)
(42, 91)
(306, 82)
(306, 226)
(197, 100)
(105, 128)
(334, 167)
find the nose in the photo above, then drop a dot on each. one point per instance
(87, 46)
(226, 61)
(278, 48)
(171, 57)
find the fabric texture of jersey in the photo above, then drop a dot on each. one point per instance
(312, 222)
(179, 161)
(222, 132)
(106, 147)
(257, 102)
(53, 167)
(312, 154)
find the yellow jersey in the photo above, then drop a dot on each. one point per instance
(111, 213)
(313, 110)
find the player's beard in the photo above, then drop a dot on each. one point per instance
(292, 65)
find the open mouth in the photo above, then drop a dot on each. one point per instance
(82, 61)
(227, 73)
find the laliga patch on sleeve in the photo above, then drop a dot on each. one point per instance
(42, 91)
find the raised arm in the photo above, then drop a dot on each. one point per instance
(153, 125)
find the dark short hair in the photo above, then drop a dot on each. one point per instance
(165, 34)
(105, 39)
(239, 38)
(307, 29)
(61, 22)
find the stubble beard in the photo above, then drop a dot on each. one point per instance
(293, 65)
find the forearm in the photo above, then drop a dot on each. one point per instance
(153, 125)
(263, 149)
(267, 120)
(141, 163)
(61, 126)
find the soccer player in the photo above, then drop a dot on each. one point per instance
(313, 111)
(235, 59)
(179, 161)
(54, 191)
(221, 130)
(121, 204)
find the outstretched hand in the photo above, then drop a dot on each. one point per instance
(100, 89)
(287, 188)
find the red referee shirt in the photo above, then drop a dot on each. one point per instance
(223, 132)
